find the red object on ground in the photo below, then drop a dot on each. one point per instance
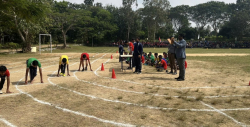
(249, 83)
(102, 67)
(186, 65)
(116, 51)
(111, 56)
(113, 74)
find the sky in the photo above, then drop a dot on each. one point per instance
(173, 3)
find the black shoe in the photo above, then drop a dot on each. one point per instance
(82, 69)
(180, 79)
(177, 78)
(171, 72)
(86, 68)
(166, 71)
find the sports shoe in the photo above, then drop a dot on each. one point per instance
(175, 73)
(177, 78)
(171, 72)
(61, 74)
(86, 68)
(82, 69)
(1, 92)
(139, 73)
(64, 75)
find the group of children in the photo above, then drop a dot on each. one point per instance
(33, 63)
(160, 62)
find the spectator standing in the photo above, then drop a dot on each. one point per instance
(180, 52)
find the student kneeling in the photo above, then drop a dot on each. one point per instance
(162, 65)
(62, 65)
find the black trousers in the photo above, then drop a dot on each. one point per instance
(137, 62)
(63, 67)
(33, 71)
(2, 82)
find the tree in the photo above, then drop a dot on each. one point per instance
(65, 17)
(178, 16)
(89, 2)
(154, 15)
(27, 16)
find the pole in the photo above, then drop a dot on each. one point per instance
(40, 44)
(50, 44)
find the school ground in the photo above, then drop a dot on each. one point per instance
(216, 91)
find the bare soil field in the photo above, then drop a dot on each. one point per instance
(208, 96)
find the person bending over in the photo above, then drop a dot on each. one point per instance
(32, 64)
(63, 61)
(84, 56)
(4, 72)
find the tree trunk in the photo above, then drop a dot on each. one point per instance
(64, 39)
(128, 32)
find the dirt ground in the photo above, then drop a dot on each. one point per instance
(208, 97)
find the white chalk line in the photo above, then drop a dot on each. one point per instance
(7, 122)
(220, 112)
(95, 72)
(116, 101)
(71, 111)
(128, 103)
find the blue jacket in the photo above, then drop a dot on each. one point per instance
(180, 49)
(121, 49)
(138, 48)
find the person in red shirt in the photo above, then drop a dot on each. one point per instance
(4, 72)
(142, 59)
(186, 65)
(162, 65)
(131, 51)
(84, 56)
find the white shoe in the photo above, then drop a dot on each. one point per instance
(1, 92)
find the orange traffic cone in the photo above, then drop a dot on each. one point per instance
(111, 56)
(102, 67)
(116, 51)
(113, 74)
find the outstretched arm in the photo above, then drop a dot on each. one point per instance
(26, 75)
(68, 69)
(179, 44)
(41, 74)
(8, 85)
(59, 68)
(90, 65)
(80, 65)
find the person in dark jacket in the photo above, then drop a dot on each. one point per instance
(120, 51)
(138, 50)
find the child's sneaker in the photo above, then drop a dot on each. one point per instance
(64, 75)
(61, 74)
(1, 92)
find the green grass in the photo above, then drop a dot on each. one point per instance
(79, 49)
(226, 62)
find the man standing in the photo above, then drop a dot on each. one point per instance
(180, 52)
(4, 72)
(138, 50)
(121, 51)
(63, 61)
(32, 64)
